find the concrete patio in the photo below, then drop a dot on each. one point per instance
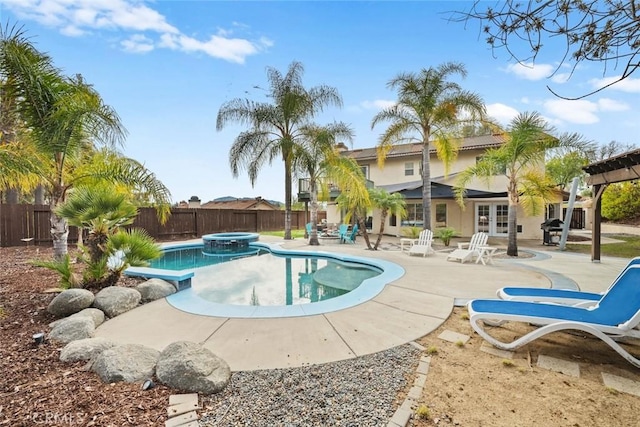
(405, 310)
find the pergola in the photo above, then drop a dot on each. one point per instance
(624, 167)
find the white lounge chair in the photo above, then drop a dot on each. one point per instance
(559, 296)
(616, 315)
(469, 250)
(423, 245)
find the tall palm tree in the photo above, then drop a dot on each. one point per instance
(16, 152)
(521, 160)
(393, 204)
(317, 159)
(428, 106)
(275, 127)
(65, 117)
(356, 204)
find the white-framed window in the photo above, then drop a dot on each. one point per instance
(414, 215)
(408, 169)
(441, 214)
(365, 170)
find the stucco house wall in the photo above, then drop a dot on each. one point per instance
(403, 166)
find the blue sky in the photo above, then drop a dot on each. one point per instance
(168, 66)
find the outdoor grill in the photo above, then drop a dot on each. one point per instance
(550, 229)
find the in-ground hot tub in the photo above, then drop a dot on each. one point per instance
(227, 243)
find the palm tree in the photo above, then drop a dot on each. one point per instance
(393, 204)
(356, 204)
(275, 128)
(428, 106)
(66, 118)
(521, 160)
(318, 159)
(16, 153)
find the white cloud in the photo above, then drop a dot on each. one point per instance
(579, 111)
(525, 100)
(72, 31)
(530, 71)
(377, 104)
(582, 111)
(560, 78)
(629, 84)
(230, 49)
(607, 104)
(132, 17)
(501, 112)
(137, 43)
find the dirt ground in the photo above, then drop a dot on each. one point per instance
(465, 386)
(468, 387)
(35, 387)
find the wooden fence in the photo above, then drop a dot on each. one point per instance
(29, 224)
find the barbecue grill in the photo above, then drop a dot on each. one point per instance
(550, 231)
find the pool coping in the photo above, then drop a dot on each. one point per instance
(189, 302)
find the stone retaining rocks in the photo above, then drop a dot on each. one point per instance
(190, 367)
(92, 313)
(154, 289)
(85, 349)
(72, 329)
(116, 300)
(128, 362)
(70, 301)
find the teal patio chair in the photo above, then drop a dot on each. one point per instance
(342, 232)
(351, 237)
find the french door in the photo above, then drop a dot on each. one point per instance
(492, 218)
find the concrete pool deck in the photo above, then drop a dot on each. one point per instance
(407, 309)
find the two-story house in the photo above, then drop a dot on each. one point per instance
(486, 204)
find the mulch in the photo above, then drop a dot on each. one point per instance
(36, 388)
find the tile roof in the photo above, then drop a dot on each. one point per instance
(240, 204)
(402, 150)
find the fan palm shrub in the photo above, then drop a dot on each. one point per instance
(109, 249)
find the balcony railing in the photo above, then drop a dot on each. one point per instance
(334, 191)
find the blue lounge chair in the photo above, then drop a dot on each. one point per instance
(351, 237)
(616, 315)
(559, 296)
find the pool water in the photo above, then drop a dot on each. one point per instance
(260, 278)
(194, 257)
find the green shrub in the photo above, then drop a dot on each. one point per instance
(411, 232)
(432, 349)
(423, 412)
(445, 234)
(621, 201)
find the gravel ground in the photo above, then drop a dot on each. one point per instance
(355, 392)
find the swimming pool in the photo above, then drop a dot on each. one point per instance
(255, 276)
(229, 289)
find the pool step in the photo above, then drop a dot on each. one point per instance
(181, 279)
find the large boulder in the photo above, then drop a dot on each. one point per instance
(154, 289)
(190, 367)
(70, 301)
(72, 329)
(116, 300)
(128, 362)
(92, 313)
(85, 349)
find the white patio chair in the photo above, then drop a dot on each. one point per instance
(467, 251)
(423, 245)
